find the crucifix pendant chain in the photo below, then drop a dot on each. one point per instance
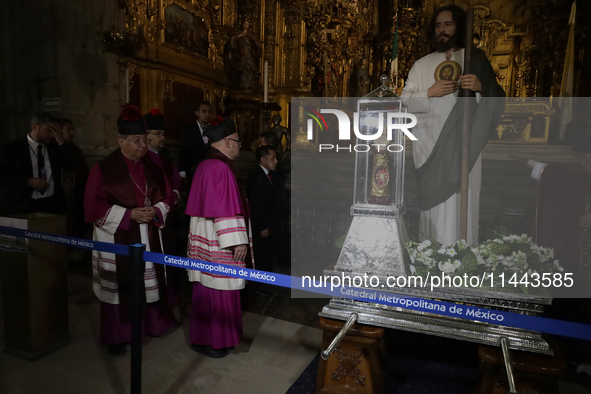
(147, 202)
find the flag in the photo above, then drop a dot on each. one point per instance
(566, 87)
(394, 64)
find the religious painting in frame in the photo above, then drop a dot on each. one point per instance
(185, 31)
(448, 71)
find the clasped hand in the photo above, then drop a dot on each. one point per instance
(470, 82)
(240, 252)
(443, 87)
(143, 215)
(39, 184)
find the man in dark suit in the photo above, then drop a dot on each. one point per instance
(193, 144)
(31, 169)
(74, 183)
(279, 174)
(282, 204)
(262, 202)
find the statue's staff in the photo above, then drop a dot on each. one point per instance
(466, 126)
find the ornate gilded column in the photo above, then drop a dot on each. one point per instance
(408, 49)
(270, 19)
(293, 28)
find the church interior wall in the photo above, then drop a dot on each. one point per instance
(77, 69)
(58, 45)
(14, 96)
(89, 76)
(314, 48)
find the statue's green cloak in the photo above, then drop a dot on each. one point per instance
(440, 176)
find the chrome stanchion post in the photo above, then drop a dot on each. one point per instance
(137, 297)
(508, 366)
(340, 335)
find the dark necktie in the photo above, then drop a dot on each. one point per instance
(270, 179)
(40, 163)
(202, 130)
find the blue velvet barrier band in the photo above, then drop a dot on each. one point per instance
(79, 243)
(491, 316)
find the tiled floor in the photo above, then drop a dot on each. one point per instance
(270, 358)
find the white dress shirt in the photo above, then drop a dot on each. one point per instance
(202, 130)
(266, 173)
(48, 175)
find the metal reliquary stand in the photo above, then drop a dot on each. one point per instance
(375, 246)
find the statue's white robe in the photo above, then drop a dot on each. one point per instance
(441, 222)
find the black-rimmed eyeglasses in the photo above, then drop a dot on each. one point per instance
(237, 141)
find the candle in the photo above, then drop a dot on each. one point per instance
(266, 82)
(127, 85)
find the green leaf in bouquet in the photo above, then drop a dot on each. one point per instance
(435, 245)
(421, 270)
(525, 248)
(498, 248)
(468, 262)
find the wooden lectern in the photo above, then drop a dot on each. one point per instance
(35, 290)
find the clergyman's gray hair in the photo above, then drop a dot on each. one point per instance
(42, 118)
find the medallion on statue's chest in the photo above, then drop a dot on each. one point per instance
(448, 71)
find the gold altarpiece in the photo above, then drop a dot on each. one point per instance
(334, 48)
(510, 42)
(184, 57)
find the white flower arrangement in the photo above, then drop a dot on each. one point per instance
(510, 254)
